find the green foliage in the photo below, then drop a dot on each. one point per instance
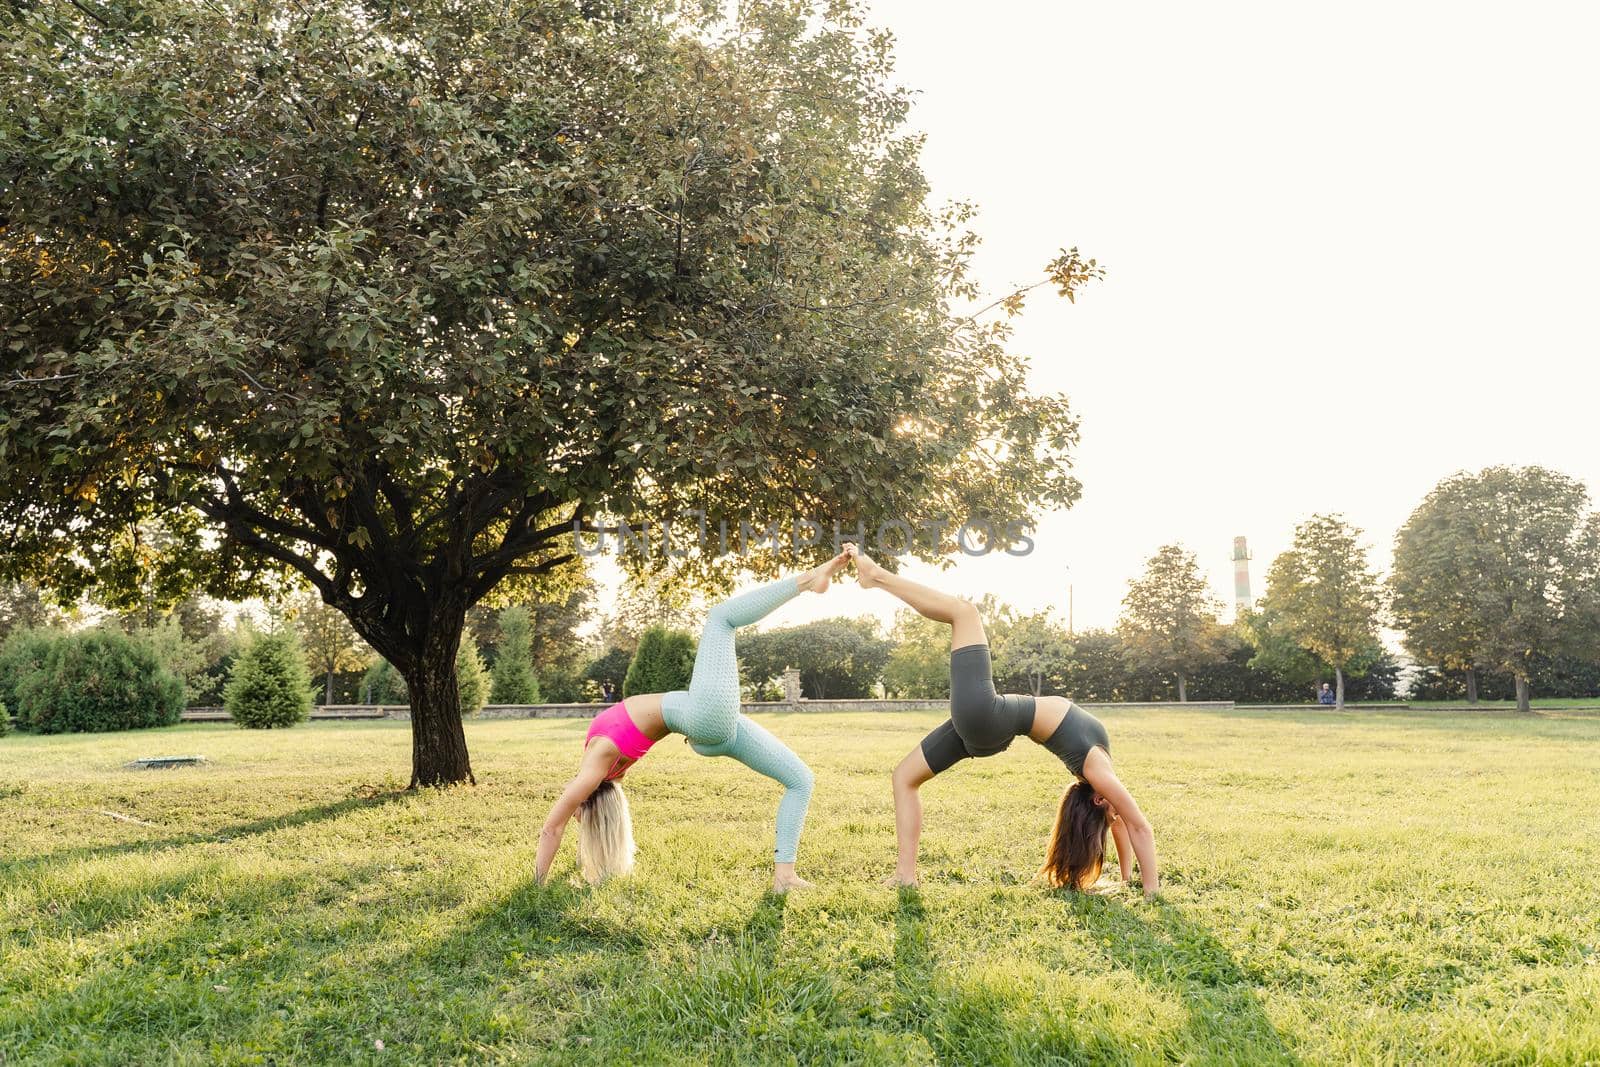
(22, 653)
(1031, 653)
(566, 684)
(514, 680)
(1431, 585)
(1325, 595)
(1497, 569)
(270, 685)
(836, 658)
(403, 301)
(472, 681)
(1170, 621)
(662, 664)
(96, 681)
(24, 606)
(5, 719)
(611, 666)
(1560, 676)
(330, 643)
(1237, 677)
(193, 661)
(383, 684)
(919, 660)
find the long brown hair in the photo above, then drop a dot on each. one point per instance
(1078, 841)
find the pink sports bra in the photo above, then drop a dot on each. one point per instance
(615, 724)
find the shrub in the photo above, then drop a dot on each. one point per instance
(97, 681)
(5, 719)
(565, 684)
(22, 653)
(663, 663)
(472, 682)
(514, 680)
(611, 667)
(270, 685)
(384, 684)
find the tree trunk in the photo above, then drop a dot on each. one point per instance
(1338, 688)
(438, 744)
(1183, 690)
(1037, 682)
(1523, 703)
(327, 690)
(1472, 686)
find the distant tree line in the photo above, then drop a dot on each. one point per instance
(1495, 589)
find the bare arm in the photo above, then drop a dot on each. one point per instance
(1119, 834)
(1097, 769)
(597, 759)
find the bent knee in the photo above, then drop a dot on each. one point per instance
(905, 776)
(800, 780)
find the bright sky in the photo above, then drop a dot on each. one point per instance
(1351, 250)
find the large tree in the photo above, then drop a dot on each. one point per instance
(390, 296)
(1326, 595)
(1171, 622)
(1432, 584)
(1503, 567)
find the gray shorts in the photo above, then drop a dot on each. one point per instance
(982, 722)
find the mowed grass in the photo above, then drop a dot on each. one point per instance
(1357, 887)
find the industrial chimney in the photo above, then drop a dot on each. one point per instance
(1241, 576)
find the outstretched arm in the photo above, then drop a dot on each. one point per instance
(597, 758)
(1119, 834)
(1097, 770)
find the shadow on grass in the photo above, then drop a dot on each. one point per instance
(220, 967)
(974, 1022)
(26, 864)
(1170, 951)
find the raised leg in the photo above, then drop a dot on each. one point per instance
(705, 712)
(966, 624)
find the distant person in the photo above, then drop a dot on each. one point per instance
(1325, 695)
(608, 693)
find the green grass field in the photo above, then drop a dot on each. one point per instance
(1373, 888)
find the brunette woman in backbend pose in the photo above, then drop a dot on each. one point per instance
(983, 723)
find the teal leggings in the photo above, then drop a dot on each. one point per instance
(708, 712)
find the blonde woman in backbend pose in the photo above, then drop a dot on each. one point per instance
(707, 715)
(984, 723)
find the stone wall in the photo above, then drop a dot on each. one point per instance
(585, 711)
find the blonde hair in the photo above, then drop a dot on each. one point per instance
(605, 834)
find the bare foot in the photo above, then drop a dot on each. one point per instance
(868, 573)
(782, 883)
(817, 579)
(894, 881)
